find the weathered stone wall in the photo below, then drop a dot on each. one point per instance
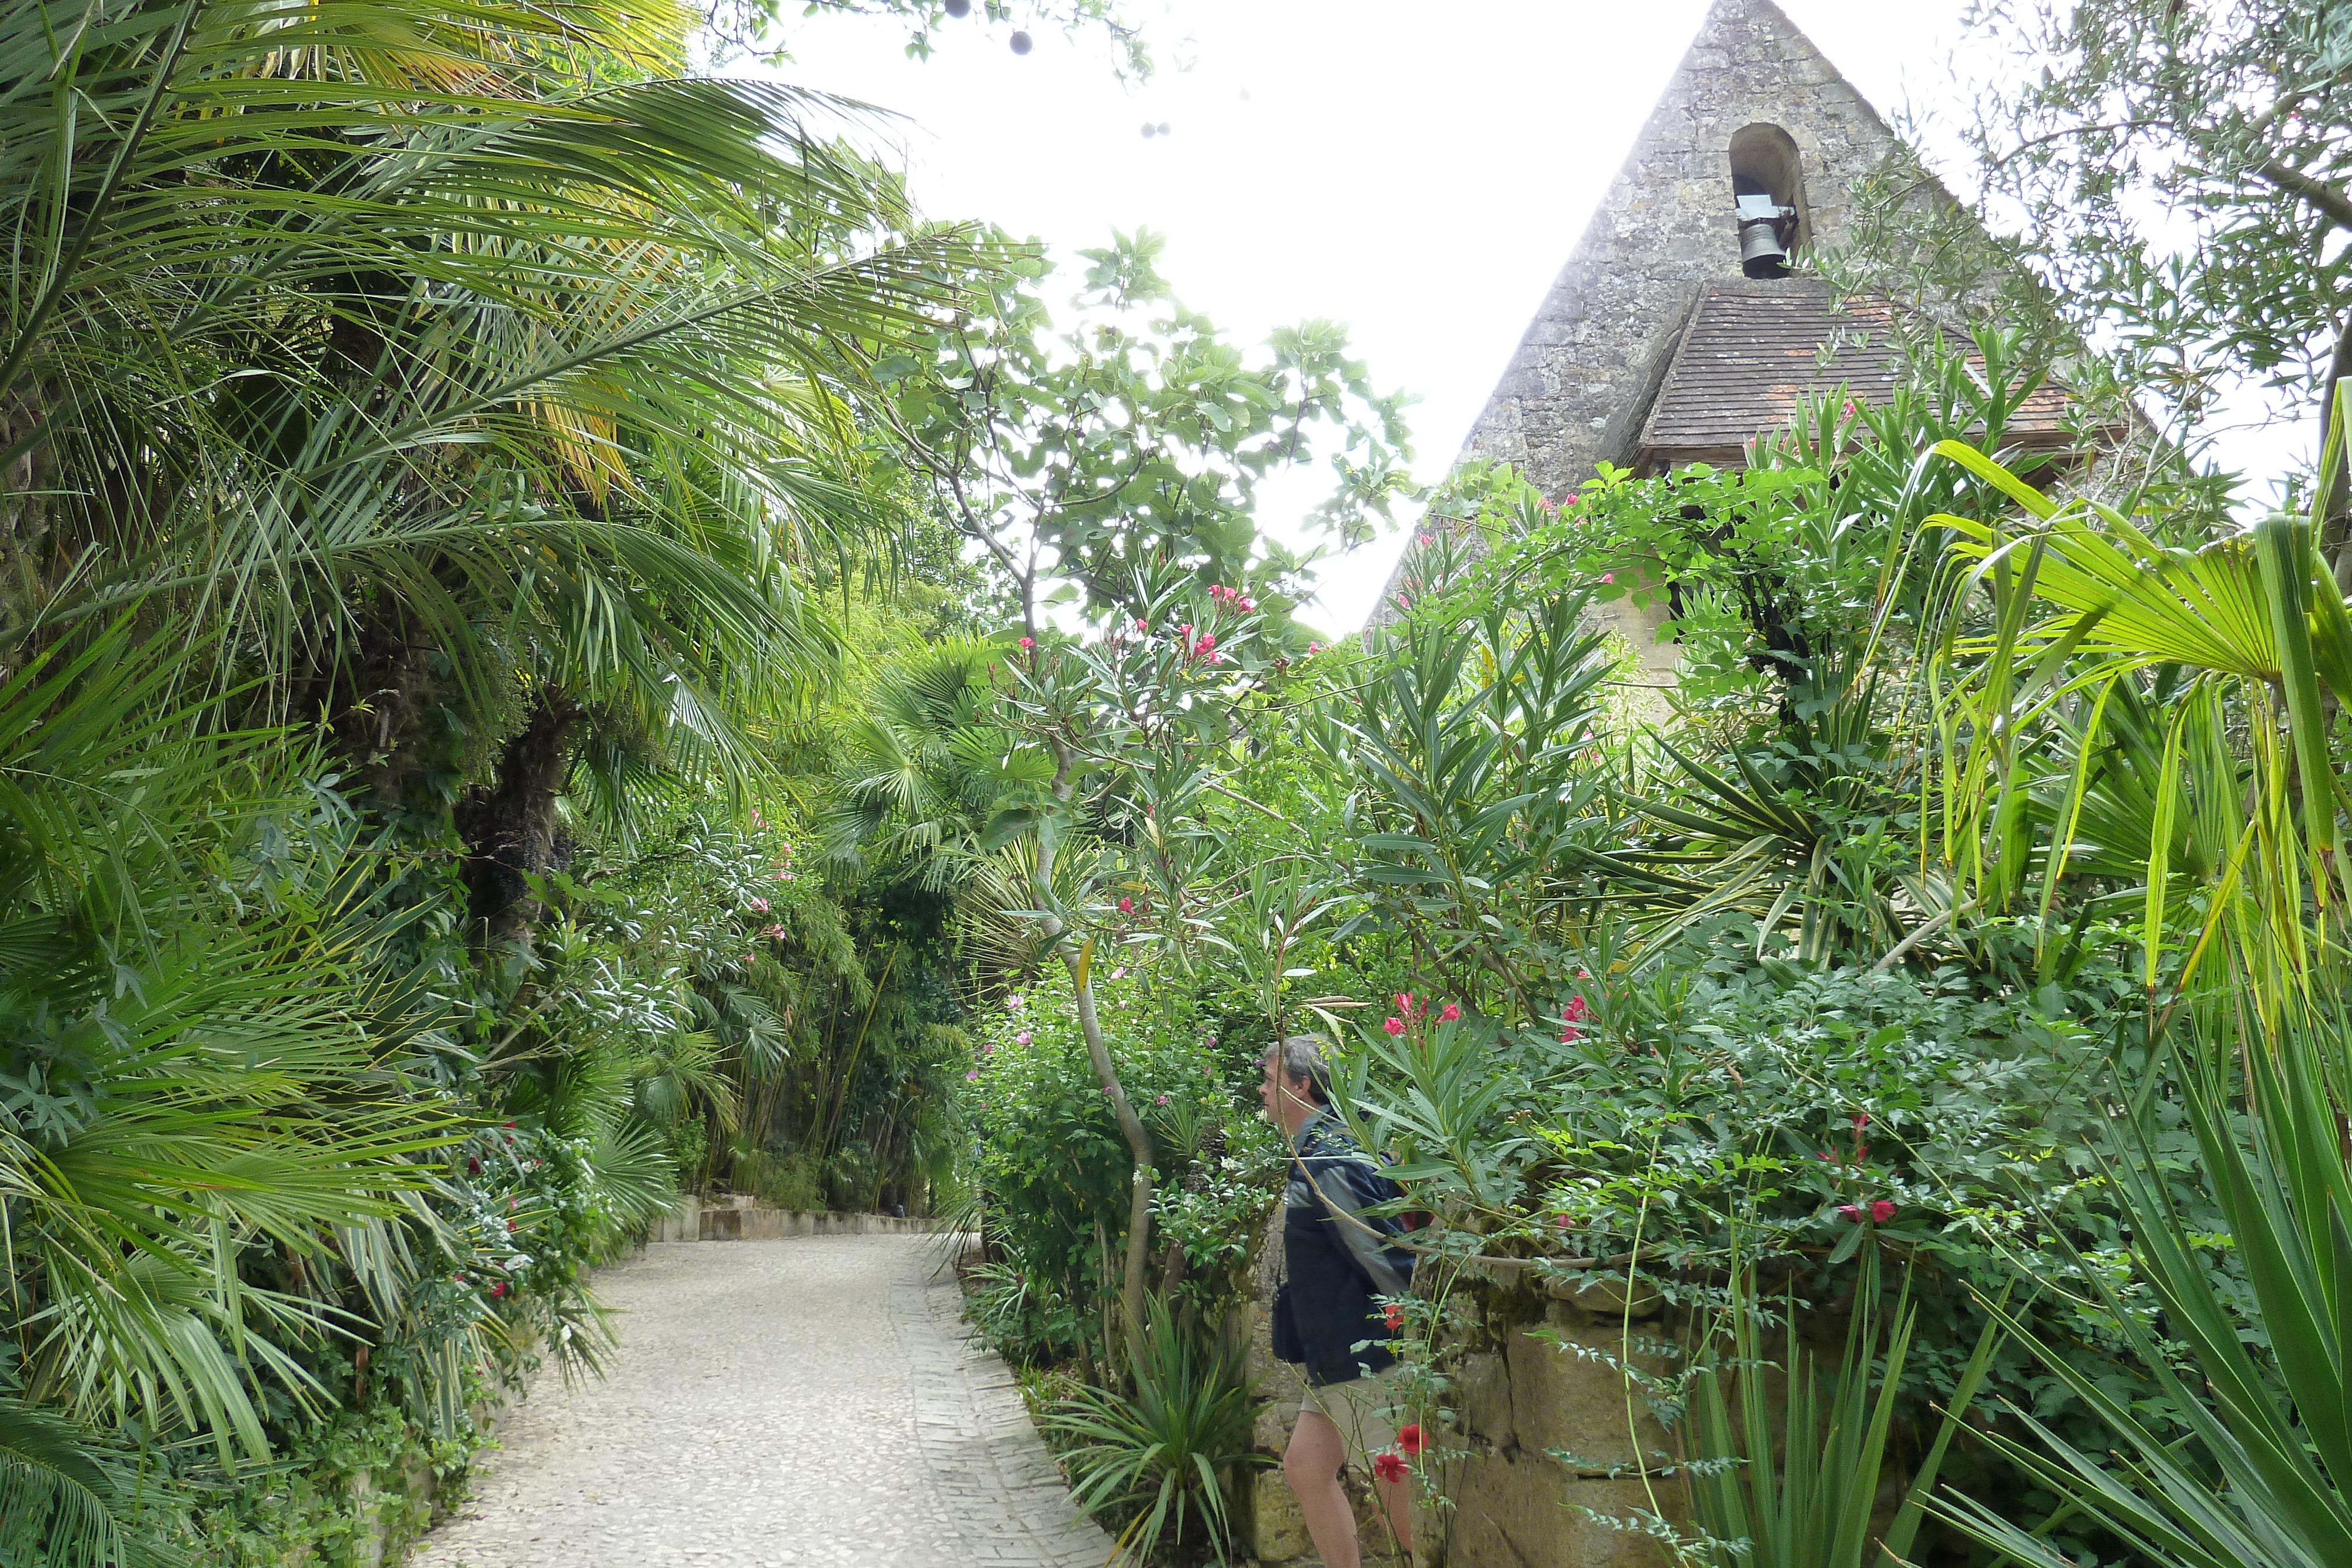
(747, 1219)
(1584, 374)
(1533, 1376)
(1582, 382)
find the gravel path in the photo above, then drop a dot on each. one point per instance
(811, 1402)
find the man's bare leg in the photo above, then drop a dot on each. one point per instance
(1312, 1464)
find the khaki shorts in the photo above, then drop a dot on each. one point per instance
(1365, 1409)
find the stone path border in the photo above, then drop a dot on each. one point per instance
(808, 1402)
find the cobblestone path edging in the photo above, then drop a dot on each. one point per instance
(813, 1402)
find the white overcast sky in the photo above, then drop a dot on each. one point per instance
(1416, 171)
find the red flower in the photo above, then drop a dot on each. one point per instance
(1449, 1014)
(497, 1288)
(1575, 1010)
(512, 1227)
(1410, 1439)
(1028, 641)
(1127, 907)
(1389, 1467)
(1395, 1026)
(1852, 1211)
(1861, 1120)
(1882, 1210)
(1392, 1315)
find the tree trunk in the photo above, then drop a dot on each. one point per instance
(1131, 1126)
(509, 828)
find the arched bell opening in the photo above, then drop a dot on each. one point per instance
(1768, 192)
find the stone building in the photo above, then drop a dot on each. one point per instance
(1674, 333)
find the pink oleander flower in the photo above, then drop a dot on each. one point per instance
(1020, 1038)
(1403, 603)
(1861, 1120)
(1571, 1035)
(1141, 624)
(1572, 499)
(1395, 1026)
(756, 820)
(1015, 1002)
(1406, 1003)
(1313, 648)
(1575, 1011)
(1028, 641)
(972, 1076)
(750, 958)
(1248, 605)
(773, 932)
(759, 906)
(1449, 1014)
(1425, 538)
(1608, 576)
(1127, 907)
(1882, 1210)
(1119, 973)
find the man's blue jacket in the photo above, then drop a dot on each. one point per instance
(1341, 1260)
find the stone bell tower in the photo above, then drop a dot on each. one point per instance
(1677, 331)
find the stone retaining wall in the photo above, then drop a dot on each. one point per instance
(1532, 1376)
(748, 1219)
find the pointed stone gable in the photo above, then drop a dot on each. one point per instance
(1580, 385)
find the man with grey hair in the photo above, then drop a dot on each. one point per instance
(1338, 1264)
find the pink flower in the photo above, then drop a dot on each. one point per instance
(1207, 641)
(1608, 576)
(1882, 1210)
(1575, 1010)
(1313, 648)
(1127, 907)
(1395, 1026)
(1861, 1120)
(755, 818)
(1141, 624)
(1389, 1467)
(1425, 538)
(1028, 641)
(497, 1288)
(750, 958)
(760, 906)
(1570, 501)
(773, 932)
(1571, 1035)
(972, 1076)
(1119, 973)
(1015, 1002)
(1547, 506)
(1563, 1221)
(1248, 605)
(1404, 1004)
(783, 876)
(1020, 1038)
(1449, 1014)
(1852, 1211)
(987, 1048)
(1159, 1100)
(1403, 603)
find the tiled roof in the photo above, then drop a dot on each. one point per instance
(1754, 348)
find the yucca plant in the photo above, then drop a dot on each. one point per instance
(1804, 1497)
(1165, 1451)
(2259, 1478)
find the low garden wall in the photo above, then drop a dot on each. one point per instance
(747, 1219)
(1533, 1377)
